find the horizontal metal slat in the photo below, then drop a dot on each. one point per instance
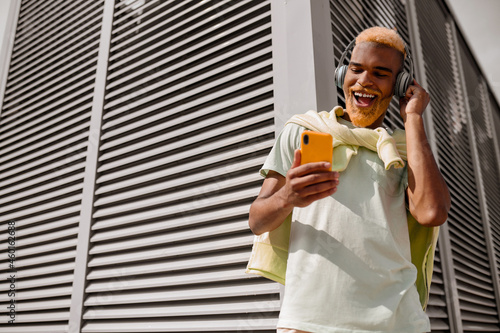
(182, 76)
(71, 59)
(232, 197)
(205, 292)
(201, 325)
(473, 326)
(39, 293)
(74, 100)
(57, 100)
(20, 129)
(130, 171)
(219, 274)
(173, 251)
(56, 168)
(23, 264)
(132, 120)
(58, 328)
(23, 284)
(185, 142)
(193, 165)
(180, 310)
(23, 190)
(46, 316)
(173, 183)
(43, 207)
(471, 253)
(127, 11)
(142, 54)
(471, 269)
(49, 24)
(185, 128)
(473, 313)
(30, 161)
(23, 230)
(49, 89)
(191, 103)
(466, 285)
(49, 215)
(38, 305)
(33, 200)
(22, 251)
(250, 75)
(170, 199)
(42, 271)
(179, 155)
(474, 303)
(125, 30)
(435, 301)
(35, 135)
(33, 9)
(201, 232)
(234, 256)
(54, 212)
(22, 240)
(475, 243)
(38, 52)
(43, 147)
(185, 221)
(184, 57)
(138, 44)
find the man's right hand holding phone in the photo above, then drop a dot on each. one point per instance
(308, 182)
(278, 196)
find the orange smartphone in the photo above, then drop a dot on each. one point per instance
(316, 147)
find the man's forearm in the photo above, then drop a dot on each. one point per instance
(267, 214)
(428, 195)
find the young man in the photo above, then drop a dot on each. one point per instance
(349, 264)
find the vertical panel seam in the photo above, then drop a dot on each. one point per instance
(83, 244)
(478, 173)
(445, 253)
(8, 46)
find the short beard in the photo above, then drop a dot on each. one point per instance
(367, 116)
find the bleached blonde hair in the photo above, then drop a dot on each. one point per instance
(383, 36)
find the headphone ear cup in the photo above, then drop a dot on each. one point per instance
(340, 76)
(402, 84)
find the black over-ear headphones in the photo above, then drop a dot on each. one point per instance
(403, 79)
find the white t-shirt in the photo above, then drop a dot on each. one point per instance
(349, 266)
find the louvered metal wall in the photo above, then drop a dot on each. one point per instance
(495, 222)
(43, 138)
(187, 123)
(466, 223)
(482, 309)
(448, 121)
(188, 120)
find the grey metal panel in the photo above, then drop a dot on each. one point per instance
(44, 129)
(188, 120)
(489, 171)
(438, 62)
(495, 222)
(469, 258)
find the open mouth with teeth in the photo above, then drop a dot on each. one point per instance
(364, 99)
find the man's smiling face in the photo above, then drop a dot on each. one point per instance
(369, 83)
